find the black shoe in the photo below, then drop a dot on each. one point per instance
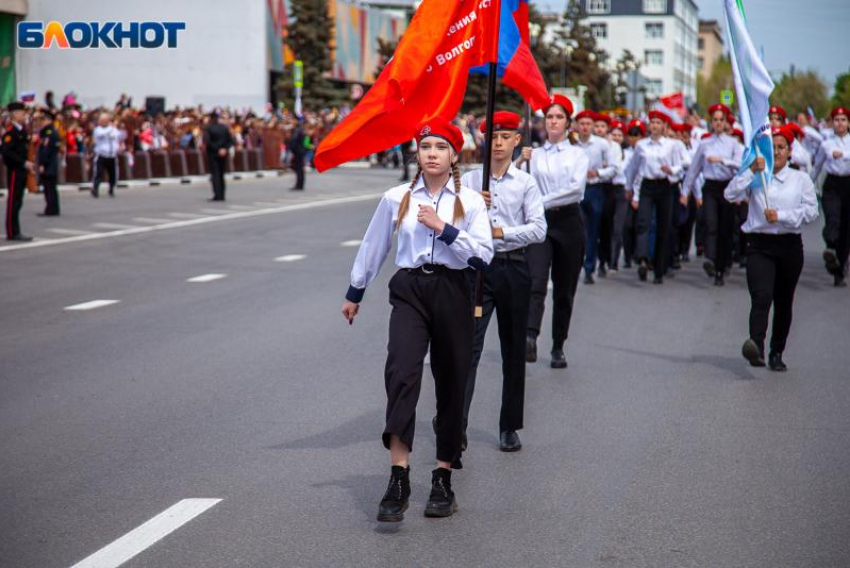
(509, 441)
(839, 282)
(588, 279)
(642, 270)
(753, 353)
(658, 280)
(718, 279)
(395, 501)
(602, 272)
(95, 194)
(111, 193)
(559, 360)
(676, 264)
(831, 261)
(20, 238)
(774, 361)
(45, 214)
(441, 502)
(708, 266)
(530, 350)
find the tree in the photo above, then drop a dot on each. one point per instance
(309, 36)
(584, 63)
(795, 92)
(386, 50)
(841, 94)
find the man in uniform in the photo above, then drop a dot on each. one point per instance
(217, 141)
(48, 165)
(15, 147)
(298, 147)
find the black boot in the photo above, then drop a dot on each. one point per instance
(642, 270)
(441, 502)
(775, 363)
(709, 269)
(559, 360)
(509, 441)
(395, 501)
(753, 353)
(718, 279)
(530, 349)
(838, 281)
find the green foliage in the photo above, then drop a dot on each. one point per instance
(795, 93)
(721, 79)
(841, 94)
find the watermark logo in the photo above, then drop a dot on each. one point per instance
(86, 35)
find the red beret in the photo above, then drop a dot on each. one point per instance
(785, 133)
(720, 107)
(778, 110)
(840, 110)
(601, 117)
(738, 132)
(617, 125)
(687, 127)
(795, 130)
(587, 114)
(503, 120)
(660, 116)
(561, 100)
(706, 135)
(441, 129)
(678, 127)
(635, 123)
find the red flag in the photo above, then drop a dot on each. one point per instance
(426, 78)
(674, 101)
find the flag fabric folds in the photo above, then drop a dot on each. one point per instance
(753, 86)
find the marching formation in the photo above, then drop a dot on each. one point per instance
(582, 201)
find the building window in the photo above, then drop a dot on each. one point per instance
(599, 31)
(701, 44)
(653, 57)
(598, 6)
(654, 88)
(654, 6)
(700, 62)
(655, 30)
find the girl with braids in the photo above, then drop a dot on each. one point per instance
(443, 230)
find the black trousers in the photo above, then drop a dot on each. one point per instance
(298, 166)
(657, 195)
(506, 290)
(630, 233)
(563, 252)
(51, 195)
(739, 241)
(218, 165)
(16, 181)
(606, 225)
(108, 166)
(618, 226)
(836, 212)
(719, 223)
(774, 264)
(686, 229)
(433, 309)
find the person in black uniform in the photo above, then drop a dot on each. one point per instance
(48, 165)
(15, 147)
(298, 147)
(217, 141)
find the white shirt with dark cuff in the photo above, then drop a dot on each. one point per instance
(649, 157)
(725, 147)
(107, 141)
(791, 193)
(598, 151)
(469, 244)
(560, 171)
(618, 160)
(826, 160)
(515, 207)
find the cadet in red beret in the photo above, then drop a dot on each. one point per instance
(431, 306)
(778, 116)
(560, 170)
(834, 157)
(801, 159)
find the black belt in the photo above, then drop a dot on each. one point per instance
(838, 178)
(563, 208)
(517, 255)
(431, 269)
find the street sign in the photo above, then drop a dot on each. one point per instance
(727, 97)
(298, 74)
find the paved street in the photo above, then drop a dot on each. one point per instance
(657, 447)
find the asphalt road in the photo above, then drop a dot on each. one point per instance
(658, 446)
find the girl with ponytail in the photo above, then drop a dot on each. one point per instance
(443, 232)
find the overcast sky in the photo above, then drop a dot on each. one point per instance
(810, 34)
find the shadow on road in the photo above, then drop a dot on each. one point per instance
(734, 366)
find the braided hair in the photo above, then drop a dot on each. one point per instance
(404, 205)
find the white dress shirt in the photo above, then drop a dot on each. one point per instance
(725, 147)
(515, 207)
(685, 159)
(801, 158)
(791, 193)
(106, 141)
(560, 171)
(812, 139)
(826, 159)
(598, 152)
(650, 156)
(470, 243)
(618, 157)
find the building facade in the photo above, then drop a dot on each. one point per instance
(709, 46)
(662, 34)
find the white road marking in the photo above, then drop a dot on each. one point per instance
(215, 211)
(206, 278)
(118, 226)
(59, 231)
(241, 207)
(152, 220)
(354, 243)
(185, 215)
(146, 535)
(290, 257)
(266, 203)
(190, 220)
(93, 305)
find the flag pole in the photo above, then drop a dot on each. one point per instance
(528, 133)
(763, 180)
(487, 173)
